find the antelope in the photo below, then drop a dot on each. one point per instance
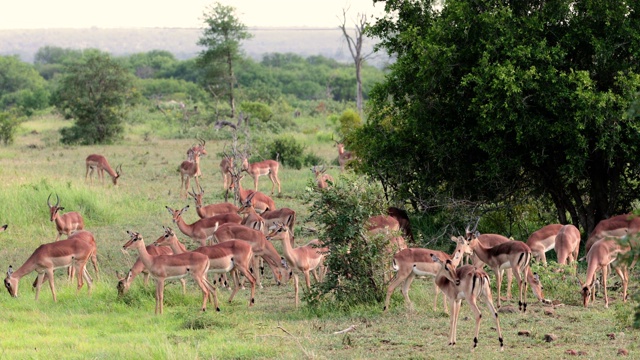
(603, 253)
(257, 169)
(343, 156)
(72, 252)
(567, 244)
(511, 254)
(197, 148)
(203, 229)
(616, 226)
(65, 223)
(226, 166)
(176, 266)
(260, 201)
(259, 244)
(124, 281)
(403, 221)
(411, 262)
(99, 162)
(382, 222)
(223, 257)
(302, 258)
(321, 177)
(189, 169)
(211, 209)
(470, 283)
(543, 240)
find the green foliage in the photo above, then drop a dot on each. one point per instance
(21, 86)
(288, 150)
(257, 110)
(8, 125)
(95, 92)
(349, 121)
(355, 263)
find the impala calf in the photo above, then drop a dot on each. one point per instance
(65, 223)
(100, 163)
(266, 167)
(543, 240)
(211, 209)
(177, 266)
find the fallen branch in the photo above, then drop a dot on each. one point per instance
(350, 328)
(296, 339)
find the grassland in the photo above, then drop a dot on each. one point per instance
(102, 325)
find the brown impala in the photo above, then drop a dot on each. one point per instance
(100, 163)
(266, 167)
(205, 211)
(65, 223)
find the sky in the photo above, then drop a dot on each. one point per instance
(39, 14)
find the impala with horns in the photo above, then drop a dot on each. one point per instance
(260, 168)
(343, 156)
(469, 283)
(323, 180)
(616, 226)
(177, 266)
(260, 201)
(233, 255)
(197, 149)
(100, 163)
(543, 240)
(203, 229)
(205, 211)
(72, 252)
(603, 253)
(189, 169)
(302, 258)
(412, 262)
(65, 223)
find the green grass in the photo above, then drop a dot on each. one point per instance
(105, 326)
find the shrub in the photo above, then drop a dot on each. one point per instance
(349, 121)
(8, 126)
(289, 151)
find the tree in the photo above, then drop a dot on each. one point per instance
(222, 42)
(94, 92)
(498, 101)
(21, 86)
(355, 48)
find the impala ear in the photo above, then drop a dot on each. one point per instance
(60, 208)
(435, 258)
(10, 271)
(169, 209)
(184, 209)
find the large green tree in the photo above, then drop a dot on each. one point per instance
(493, 101)
(94, 91)
(22, 89)
(221, 40)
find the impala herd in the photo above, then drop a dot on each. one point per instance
(233, 239)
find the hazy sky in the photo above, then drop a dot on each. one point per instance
(38, 14)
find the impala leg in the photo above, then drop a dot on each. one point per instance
(39, 281)
(252, 280)
(159, 296)
(509, 282)
(498, 283)
(488, 299)
(295, 284)
(397, 279)
(184, 286)
(522, 303)
(605, 274)
(255, 182)
(405, 288)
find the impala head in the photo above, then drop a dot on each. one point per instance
(53, 209)
(277, 230)
(177, 214)
(247, 205)
(166, 238)
(585, 291)
(11, 283)
(124, 282)
(462, 246)
(447, 269)
(197, 196)
(118, 174)
(200, 147)
(135, 239)
(245, 164)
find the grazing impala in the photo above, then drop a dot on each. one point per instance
(303, 258)
(543, 240)
(211, 209)
(322, 180)
(223, 257)
(567, 244)
(260, 201)
(616, 226)
(602, 254)
(189, 169)
(511, 254)
(412, 262)
(266, 167)
(343, 156)
(65, 223)
(72, 252)
(201, 230)
(99, 162)
(176, 266)
(470, 283)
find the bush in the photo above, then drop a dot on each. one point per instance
(349, 121)
(289, 151)
(8, 126)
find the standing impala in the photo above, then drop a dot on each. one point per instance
(100, 163)
(266, 167)
(470, 283)
(189, 169)
(72, 252)
(177, 266)
(302, 258)
(343, 156)
(616, 226)
(205, 211)
(226, 167)
(260, 201)
(203, 229)
(65, 223)
(543, 240)
(223, 257)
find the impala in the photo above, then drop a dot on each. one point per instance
(211, 209)
(176, 266)
(382, 222)
(259, 245)
(470, 283)
(266, 219)
(412, 262)
(322, 180)
(197, 149)
(99, 162)
(567, 244)
(251, 218)
(124, 281)
(266, 167)
(343, 156)
(403, 221)
(201, 230)
(226, 167)
(65, 223)
(189, 169)
(223, 257)
(602, 254)
(302, 258)
(260, 201)
(72, 252)
(511, 254)
(543, 240)
(616, 226)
